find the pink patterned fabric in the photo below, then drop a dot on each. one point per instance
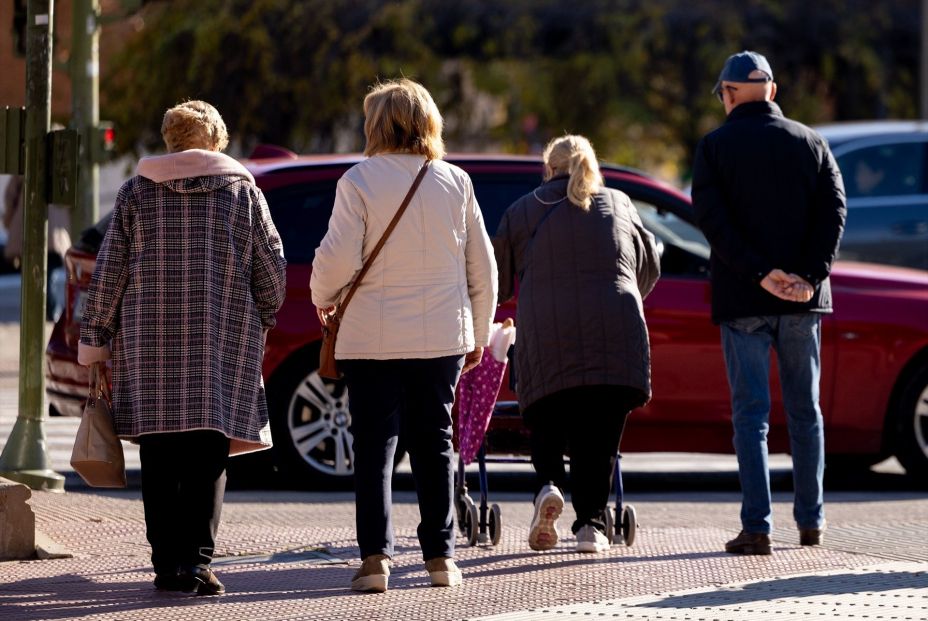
(477, 392)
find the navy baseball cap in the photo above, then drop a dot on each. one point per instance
(739, 66)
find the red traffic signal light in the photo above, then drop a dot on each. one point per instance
(103, 145)
(109, 138)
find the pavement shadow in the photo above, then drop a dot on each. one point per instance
(71, 596)
(348, 552)
(798, 586)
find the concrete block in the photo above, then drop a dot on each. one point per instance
(46, 548)
(17, 521)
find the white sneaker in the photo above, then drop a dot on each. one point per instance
(590, 539)
(548, 506)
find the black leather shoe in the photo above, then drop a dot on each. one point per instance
(749, 543)
(202, 580)
(169, 582)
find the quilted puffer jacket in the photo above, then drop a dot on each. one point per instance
(581, 276)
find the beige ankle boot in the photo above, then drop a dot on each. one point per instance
(443, 572)
(372, 575)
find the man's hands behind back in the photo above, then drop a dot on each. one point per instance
(789, 287)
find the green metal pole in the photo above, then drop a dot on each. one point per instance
(25, 458)
(85, 108)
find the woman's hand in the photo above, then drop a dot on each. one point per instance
(324, 313)
(472, 359)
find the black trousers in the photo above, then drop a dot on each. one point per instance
(412, 397)
(183, 482)
(574, 421)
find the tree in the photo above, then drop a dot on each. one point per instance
(633, 75)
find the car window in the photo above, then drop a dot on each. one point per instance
(884, 170)
(672, 230)
(301, 215)
(685, 250)
(497, 192)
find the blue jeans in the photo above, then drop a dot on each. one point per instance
(746, 344)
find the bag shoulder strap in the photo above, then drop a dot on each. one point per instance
(383, 239)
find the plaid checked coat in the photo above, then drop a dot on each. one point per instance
(188, 280)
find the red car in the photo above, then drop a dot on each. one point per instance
(874, 390)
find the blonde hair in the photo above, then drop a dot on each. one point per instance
(194, 125)
(400, 115)
(574, 155)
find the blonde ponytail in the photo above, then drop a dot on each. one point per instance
(574, 155)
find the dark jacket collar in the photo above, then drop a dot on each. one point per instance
(554, 186)
(754, 108)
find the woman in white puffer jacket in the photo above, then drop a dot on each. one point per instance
(420, 316)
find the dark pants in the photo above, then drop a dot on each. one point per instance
(183, 481)
(415, 396)
(575, 421)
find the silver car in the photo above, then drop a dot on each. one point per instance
(884, 168)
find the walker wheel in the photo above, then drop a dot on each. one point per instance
(629, 524)
(471, 522)
(496, 524)
(460, 505)
(610, 525)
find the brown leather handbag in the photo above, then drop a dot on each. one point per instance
(97, 455)
(328, 366)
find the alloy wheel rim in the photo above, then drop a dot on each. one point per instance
(318, 421)
(920, 421)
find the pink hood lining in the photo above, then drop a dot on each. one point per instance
(190, 163)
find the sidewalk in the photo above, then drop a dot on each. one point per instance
(290, 555)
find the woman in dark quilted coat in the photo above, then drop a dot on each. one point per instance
(187, 283)
(583, 262)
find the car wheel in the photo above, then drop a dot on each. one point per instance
(912, 426)
(309, 422)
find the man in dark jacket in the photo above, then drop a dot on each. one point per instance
(770, 200)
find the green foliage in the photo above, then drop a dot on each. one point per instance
(633, 75)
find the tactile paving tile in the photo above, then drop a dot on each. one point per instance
(678, 548)
(894, 591)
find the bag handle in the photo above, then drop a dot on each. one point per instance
(98, 386)
(340, 309)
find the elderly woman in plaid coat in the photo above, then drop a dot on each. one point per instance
(188, 281)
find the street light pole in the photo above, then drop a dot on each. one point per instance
(25, 458)
(85, 106)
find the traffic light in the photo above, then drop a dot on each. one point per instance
(19, 27)
(103, 142)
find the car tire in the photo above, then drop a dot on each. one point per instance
(303, 405)
(911, 426)
(309, 423)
